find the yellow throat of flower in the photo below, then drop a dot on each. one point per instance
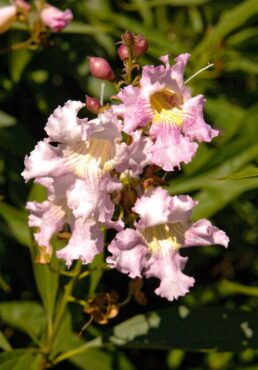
(161, 238)
(89, 158)
(166, 107)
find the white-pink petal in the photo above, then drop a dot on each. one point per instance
(128, 253)
(63, 125)
(86, 241)
(202, 233)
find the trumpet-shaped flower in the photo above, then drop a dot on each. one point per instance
(153, 247)
(85, 148)
(163, 100)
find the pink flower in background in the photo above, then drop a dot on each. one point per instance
(153, 247)
(176, 118)
(54, 18)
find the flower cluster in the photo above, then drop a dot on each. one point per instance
(103, 173)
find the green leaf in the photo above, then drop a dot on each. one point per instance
(4, 344)
(98, 359)
(46, 280)
(95, 359)
(25, 316)
(213, 328)
(229, 21)
(202, 329)
(21, 359)
(216, 196)
(84, 28)
(10, 358)
(17, 221)
(6, 120)
(18, 62)
(95, 275)
(249, 172)
(29, 361)
(228, 287)
(47, 284)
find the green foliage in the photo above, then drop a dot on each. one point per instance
(220, 314)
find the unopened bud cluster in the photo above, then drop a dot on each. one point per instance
(132, 45)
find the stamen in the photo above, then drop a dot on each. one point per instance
(198, 72)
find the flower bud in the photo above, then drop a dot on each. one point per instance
(23, 5)
(128, 38)
(123, 52)
(54, 18)
(140, 46)
(100, 68)
(92, 104)
(8, 15)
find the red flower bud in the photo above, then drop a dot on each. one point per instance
(140, 46)
(123, 52)
(92, 104)
(100, 68)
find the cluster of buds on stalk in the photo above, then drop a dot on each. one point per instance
(40, 18)
(108, 173)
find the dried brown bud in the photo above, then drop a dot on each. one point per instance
(92, 104)
(128, 38)
(100, 68)
(140, 46)
(123, 52)
(103, 308)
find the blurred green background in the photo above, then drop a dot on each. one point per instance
(222, 176)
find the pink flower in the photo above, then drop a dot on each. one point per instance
(51, 215)
(85, 148)
(153, 248)
(91, 199)
(8, 15)
(176, 119)
(85, 242)
(54, 18)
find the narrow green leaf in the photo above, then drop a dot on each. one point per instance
(217, 196)
(46, 280)
(25, 316)
(29, 361)
(17, 221)
(249, 172)
(4, 344)
(226, 167)
(213, 328)
(47, 284)
(6, 120)
(242, 36)
(84, 28)
(8, 359)
(96, 274)
(153, 3)
(21, 359)
(18, 62)
(67, 341)
(229, 21)
(229, 287)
